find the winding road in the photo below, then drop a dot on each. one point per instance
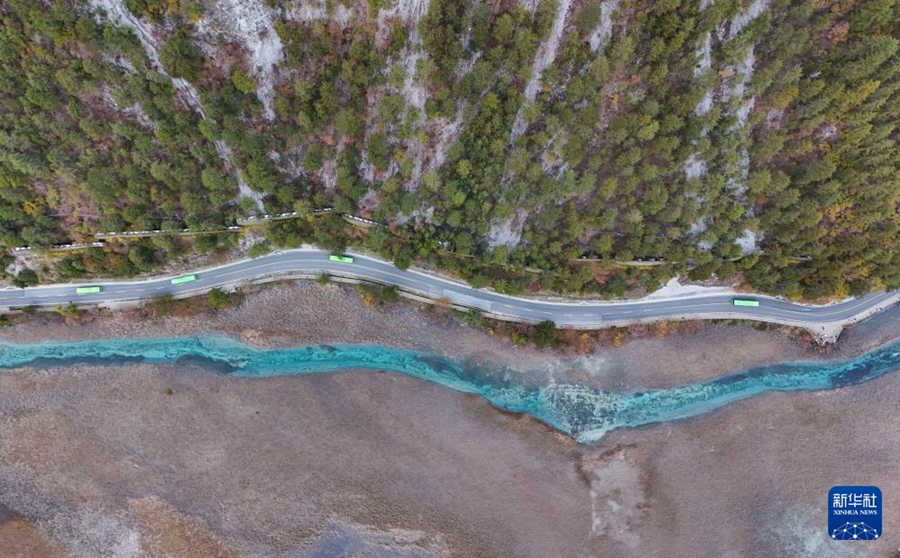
(822, 320)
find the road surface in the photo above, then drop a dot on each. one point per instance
(565, 314)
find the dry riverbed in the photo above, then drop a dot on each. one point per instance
(173, 460)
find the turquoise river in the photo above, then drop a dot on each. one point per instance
(585, 413)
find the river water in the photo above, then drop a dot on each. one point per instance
(583, 412)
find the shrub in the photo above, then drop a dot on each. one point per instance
(473, 318)
(379, 151)
(161, 305)
(26, 278)
(180, 57)
(390, 293)
(243, 82)
(258, 250)
(67, 311)
(545, 333)
(518, 338)
(217, 299)
(402, 260)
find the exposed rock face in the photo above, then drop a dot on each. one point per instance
(251, 23)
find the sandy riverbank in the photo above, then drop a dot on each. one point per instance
(103, 460)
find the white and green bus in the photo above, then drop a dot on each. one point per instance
(184, 279)
(88, 290)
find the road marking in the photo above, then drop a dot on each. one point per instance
(417, 281)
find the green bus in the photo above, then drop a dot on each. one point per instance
(88, 290)
(340, 258)
(745, 302)
(184, 279)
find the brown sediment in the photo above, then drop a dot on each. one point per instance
(165, 531)
(21, 538)
(251, 465)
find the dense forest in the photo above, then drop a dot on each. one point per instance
(575, 146)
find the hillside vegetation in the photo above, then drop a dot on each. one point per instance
(546, 144)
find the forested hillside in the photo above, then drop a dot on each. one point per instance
(564, 145)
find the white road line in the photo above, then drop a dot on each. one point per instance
(368, 268)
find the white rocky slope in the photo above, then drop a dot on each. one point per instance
(249, 22)
(546, 53)
(118, 13)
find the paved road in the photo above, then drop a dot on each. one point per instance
(583, 314)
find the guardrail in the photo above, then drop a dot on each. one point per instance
(241, 223)
(160, 232)
(61, 247)
(362, 220)
(262, 219)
